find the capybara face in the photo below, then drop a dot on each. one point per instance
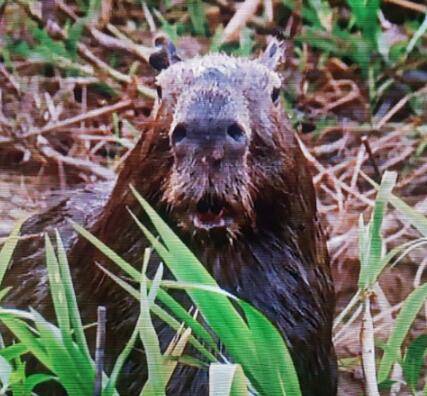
(223, 127)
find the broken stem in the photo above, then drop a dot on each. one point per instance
(100, 350)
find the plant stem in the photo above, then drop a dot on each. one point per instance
(368, 348)
(100, 350)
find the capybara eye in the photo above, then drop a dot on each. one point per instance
(275, 94)
(236, 132)
(159, 91)
(179, 134)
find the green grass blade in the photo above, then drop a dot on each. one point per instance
(372, 266)
(275, 370)
(113, 256)
(64, 299)
(36, 379)
(13, 351)
(75, 379)
(414, 217)
(155, 384)
(155, 285)
(4, 291)
(73, 309)
(363, 233)
(5, 372)
(414, 360)
(196, 286)
(418, 34)
(178, 262)
(197, 16)
(227, 379)
(57, 290)
(75, 358)
(177, 310)
(118, 365)
(21, 331)
(7, 250)
(406, 316)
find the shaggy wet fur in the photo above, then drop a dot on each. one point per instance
(272, 252)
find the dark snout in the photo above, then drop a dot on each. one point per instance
(221, 138)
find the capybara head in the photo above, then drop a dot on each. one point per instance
(227, 138)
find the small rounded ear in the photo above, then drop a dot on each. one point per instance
(164, 55)
(274, 54)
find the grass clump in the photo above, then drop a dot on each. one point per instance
(261, 363)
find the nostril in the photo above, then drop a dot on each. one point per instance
(179, 134)
(236, 132)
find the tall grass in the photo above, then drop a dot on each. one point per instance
(374, 259)
(257, 360)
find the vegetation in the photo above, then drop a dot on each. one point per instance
(63, 349)
(74, 90)
(263, 367)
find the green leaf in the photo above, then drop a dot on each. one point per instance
(118, 365)
(163, 297)
(406, 316)
(386, 385)
(72, 375)
(197, 16)
(276, 370)
(227, 379)
(246, 43)
(36, 379)
(113, 256)
(366, 16)
(57, 289)
(13, 351)
(155, 384)
(323, 12)
(5, 371)
(74, 35)
(215, 45)
(413, 216)
(73, 309)
(20, 330)
(4, 291)
(414, 360)
(418, 34)
(169, 29)
(79, 359)
(7, 250)
(370, 243)
(155, 284)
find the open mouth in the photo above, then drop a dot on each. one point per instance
(211, 212)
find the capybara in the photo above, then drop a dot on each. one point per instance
(219, 161)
